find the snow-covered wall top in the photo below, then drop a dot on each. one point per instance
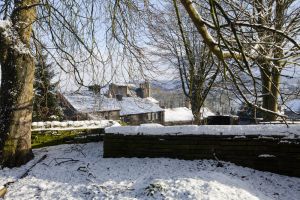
(293, 131)
(71, 125)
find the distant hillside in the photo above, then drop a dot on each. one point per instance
(167, 85)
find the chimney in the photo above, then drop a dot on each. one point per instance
(145, 89)
(119, 97)
(94, 88)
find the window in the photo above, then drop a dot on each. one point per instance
(149, 116)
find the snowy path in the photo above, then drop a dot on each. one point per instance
(89, 176)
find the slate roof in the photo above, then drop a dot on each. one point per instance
(88, 102)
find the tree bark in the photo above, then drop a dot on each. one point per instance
(17, 65)
(270, 90)
(273, 101)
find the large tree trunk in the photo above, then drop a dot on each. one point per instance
(270, 90)
(17, 65)
(196, 113)
(271, 82)
(273, 100)
(16, 108)
(197, 103)
(266, 89)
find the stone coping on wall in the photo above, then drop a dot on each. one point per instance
(73, 125)
(288, 131)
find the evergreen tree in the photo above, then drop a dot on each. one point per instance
(45, 106)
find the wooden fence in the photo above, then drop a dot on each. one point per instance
(272, 153)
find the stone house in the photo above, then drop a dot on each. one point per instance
(134, 110)
(129, 90)
(122, 102)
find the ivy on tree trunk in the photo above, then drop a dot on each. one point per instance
(17, 66)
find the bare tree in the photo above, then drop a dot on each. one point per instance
(241, 35)
(251, 34)
(175, 40)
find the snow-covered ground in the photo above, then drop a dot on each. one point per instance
(89, 176)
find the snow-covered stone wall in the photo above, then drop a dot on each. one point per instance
(291, 131)
(70, 125)
(274, 148)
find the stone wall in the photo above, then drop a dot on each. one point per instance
(276, 154)
(137, 119)
(108, 115)
(57, 125)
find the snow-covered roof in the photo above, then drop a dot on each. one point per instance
(108, 104)
(178, 114)
(184, 114)
(151, 99)
(135, 105)
(88, 102)
(294, 105)
(205, 112)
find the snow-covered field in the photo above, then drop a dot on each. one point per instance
(80, 172)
